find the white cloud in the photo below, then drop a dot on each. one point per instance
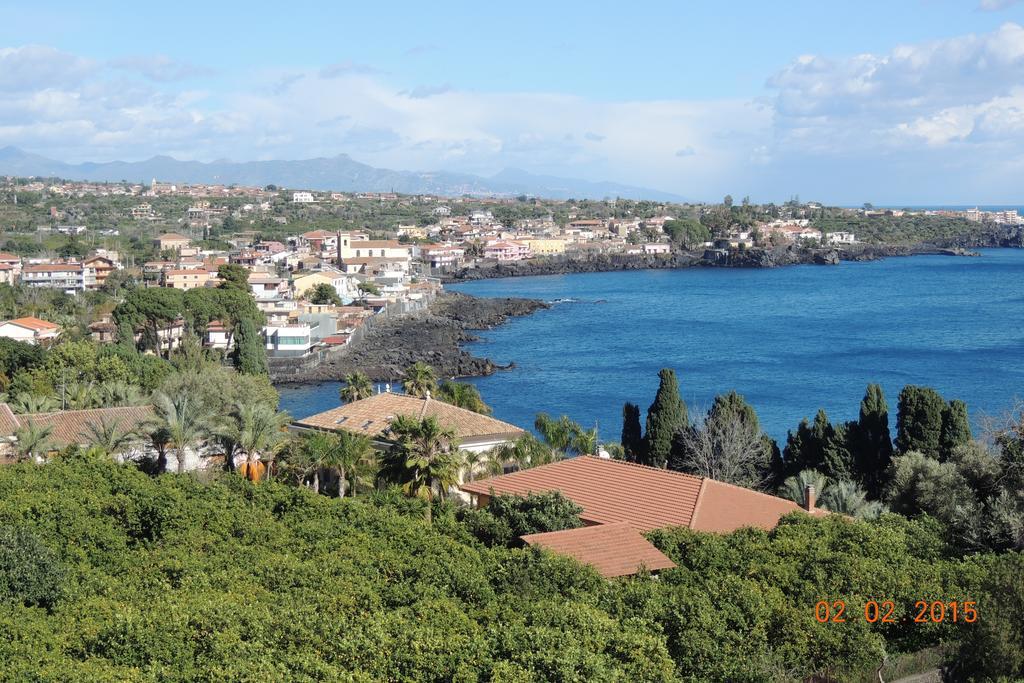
(996, 5)
(36, 67)
(160, 68)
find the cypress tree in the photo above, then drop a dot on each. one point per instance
(250, 355)
(871, 440)
(919, 421)
(632, 438)
(665, 416)
(956, 428)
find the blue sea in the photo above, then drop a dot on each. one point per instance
(791, 340)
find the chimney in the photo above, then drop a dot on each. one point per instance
(809, 498)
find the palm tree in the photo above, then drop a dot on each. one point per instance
(26, 403)
(420, 378)
(357, 387)
(118, 393)
(81, 395)
(584, 441)
(182, 421)
(423, 458)
(474, 461)
(526, 451)
(846, 497)
(262, 434)
(312, 454)
(795, 488)
(107, 437)
(344, 459)
(31, 441)
(464, 396)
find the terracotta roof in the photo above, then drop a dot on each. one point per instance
(371, 417)
(8, 422)
(612, 549)
(172, 237)
(34, 324)
(6, 256)
(72, 426)
(611, 491)
(376, 244)
(53, 267)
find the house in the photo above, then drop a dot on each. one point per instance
(102, 266)
(372, 416)
(171, 241)
(376, 248)
(507, 251)
(70, 277)
(288, 339)
(72, 427)
(840, 237)
(303, 198)
(439, 255)
(615, 492)
(29, 330)
(187, 278)
(11, 260)
(341, 283)
(544, 247)
(103, 331)
(7, 275)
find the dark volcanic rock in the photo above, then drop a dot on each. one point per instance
(433, 336)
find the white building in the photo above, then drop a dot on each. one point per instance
(303, 198)
(29, 330)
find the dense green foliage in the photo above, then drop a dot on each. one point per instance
(172, 579)
(506, 518)
(919, 423)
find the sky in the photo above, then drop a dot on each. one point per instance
(894, 102)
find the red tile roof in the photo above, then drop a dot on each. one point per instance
(648, 498)
(72, 426)
(34, 324)
(612, 549)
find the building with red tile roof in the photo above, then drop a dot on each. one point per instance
(29, 330)
(648, 498)
(618, 493)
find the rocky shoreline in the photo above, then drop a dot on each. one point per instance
(434, 336)
(734, 258)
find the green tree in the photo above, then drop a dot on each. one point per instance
(323, 294)
(847, 498)
(262, 435)
(180, 419)
(919, 421)
(250, 354)
(423, 458)
(108, 437)
(956, 428)
(632, 436)
(507, 518)
(666, 416)
(356, 387)
(420, 378)
(795, 487)
(151, 308)
(30, 572)
(351, 452)
(233, 276)
(32, 440)
(463, 395)
(871, 440)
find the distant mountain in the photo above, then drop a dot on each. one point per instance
(340, 173)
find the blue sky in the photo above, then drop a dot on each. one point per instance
(913, 101)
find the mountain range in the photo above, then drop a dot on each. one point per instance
(340, 173)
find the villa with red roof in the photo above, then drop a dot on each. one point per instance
(29, 330)
(633, 499)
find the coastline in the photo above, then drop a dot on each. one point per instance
(435, 336)
(721, 258)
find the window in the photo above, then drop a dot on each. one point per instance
(292, 341)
